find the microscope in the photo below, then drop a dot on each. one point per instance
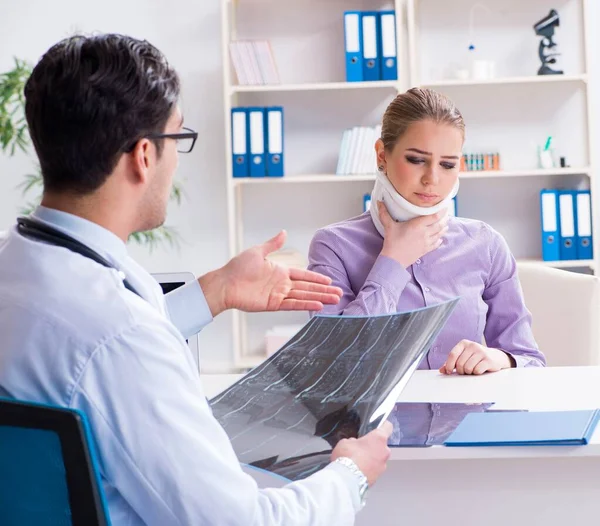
(545, 29)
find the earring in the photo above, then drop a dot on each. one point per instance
(380, 167)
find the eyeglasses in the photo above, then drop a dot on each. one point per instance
(185, 139)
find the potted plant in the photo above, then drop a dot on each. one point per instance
(14, 136)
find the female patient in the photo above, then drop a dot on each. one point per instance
(407, 253)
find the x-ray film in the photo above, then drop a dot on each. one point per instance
(339, 377)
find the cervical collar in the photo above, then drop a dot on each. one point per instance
(398, 207)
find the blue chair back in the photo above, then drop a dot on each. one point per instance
(48, 469)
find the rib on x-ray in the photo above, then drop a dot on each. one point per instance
(339, 377)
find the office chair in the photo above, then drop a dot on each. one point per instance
(565, 307)
(48, 474)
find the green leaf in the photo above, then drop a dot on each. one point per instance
(31, 181)
(13, 127)
(177, 192)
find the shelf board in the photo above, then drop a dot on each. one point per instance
(332, 178)
(291, 179)
(536, 172)
(317, 86)
(533, 79)
(575, 263)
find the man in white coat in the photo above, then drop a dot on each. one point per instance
(84, 326)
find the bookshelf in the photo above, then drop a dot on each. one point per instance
(319, 105)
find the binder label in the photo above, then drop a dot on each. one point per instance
(567, 219)
(275, 132)
(549, 213)
(584, 215)
(388, 34)
(239, 133)
(352, 40)
(257, 134)
(370, 37)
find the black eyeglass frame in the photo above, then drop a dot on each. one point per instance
(187, 134)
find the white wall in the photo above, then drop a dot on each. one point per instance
(188, 32)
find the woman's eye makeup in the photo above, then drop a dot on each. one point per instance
(420, 160)
(448, 166)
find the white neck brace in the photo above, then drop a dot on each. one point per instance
(398, 207)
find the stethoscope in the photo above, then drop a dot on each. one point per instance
(38, 231)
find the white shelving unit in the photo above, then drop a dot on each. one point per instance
(509, 113)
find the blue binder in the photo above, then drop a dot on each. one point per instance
(583, 234)
(387, 48)
(353, 43)
(507, 428)
(567, 213)
(370, 46)
(256, 142)
(454, 207)
(274, 140)
(550, 225)
(366, 202)
(239, 142)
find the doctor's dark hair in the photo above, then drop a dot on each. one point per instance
(418, 104)
(89, 100)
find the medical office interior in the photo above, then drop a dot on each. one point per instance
(287, 99)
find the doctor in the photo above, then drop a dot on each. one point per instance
(84, 326)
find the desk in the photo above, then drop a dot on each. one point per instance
(491, 486)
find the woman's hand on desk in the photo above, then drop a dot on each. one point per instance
(473, 358)
(407, 241)
(252, 283)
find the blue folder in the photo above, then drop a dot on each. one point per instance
(370, 45)
(353, 42)
(583, 225)
(553, 428)
(550, 225)
(568, 214)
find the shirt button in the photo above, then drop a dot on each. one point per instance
(427, 289)
(418, 262)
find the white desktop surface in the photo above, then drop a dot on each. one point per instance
(491, 486)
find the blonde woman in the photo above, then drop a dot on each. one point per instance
(407, 252)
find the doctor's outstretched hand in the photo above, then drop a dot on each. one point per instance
(469, 357)
(252, 283)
